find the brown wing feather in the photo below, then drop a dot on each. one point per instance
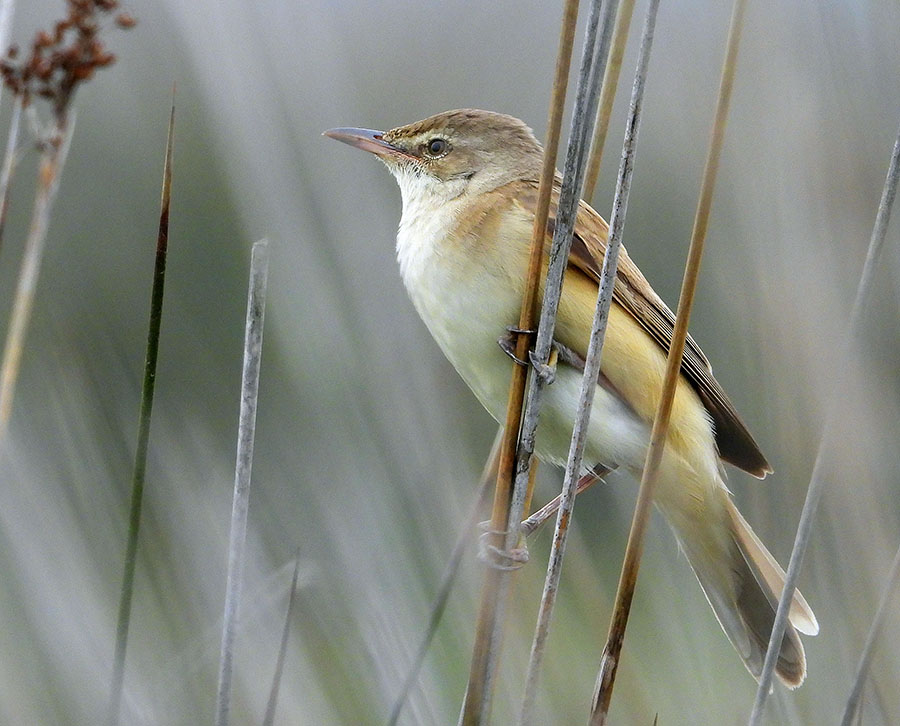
(633, 292)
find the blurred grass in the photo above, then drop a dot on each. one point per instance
(361, 419)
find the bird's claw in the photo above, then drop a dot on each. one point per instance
(507, 344)
(499, 558)
(545, 371)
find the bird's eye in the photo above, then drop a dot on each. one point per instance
(436, 147)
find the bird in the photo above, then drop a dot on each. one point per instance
(469, 184)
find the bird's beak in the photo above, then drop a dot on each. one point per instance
(367, 140)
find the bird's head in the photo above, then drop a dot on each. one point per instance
(466, 151)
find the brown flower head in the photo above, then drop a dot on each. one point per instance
(62, 58)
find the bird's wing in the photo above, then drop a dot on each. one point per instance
(635, 295)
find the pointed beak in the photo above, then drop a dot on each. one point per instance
(367, 140)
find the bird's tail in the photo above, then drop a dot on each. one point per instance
(742, 582)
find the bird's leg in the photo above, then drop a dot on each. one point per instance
(544, 513)
(569, 356)
(498, 557)
(558, 352)
(512, 560)
(546, 371)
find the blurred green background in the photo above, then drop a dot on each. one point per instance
(368, 445)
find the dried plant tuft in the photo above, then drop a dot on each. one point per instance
(61, 59)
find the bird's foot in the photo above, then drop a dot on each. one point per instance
(545, 371)
(508, 341)
(498, 557)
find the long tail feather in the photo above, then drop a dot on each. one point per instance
(742, 582)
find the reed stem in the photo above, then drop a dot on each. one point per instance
(634, 549)
(256, 308)
(477, 699)
(591, 374)
(817, 478)
(143, 437)
(269, 718)
(54, 149)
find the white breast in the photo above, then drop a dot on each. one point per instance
(429, 212)
(466, 306)
(457, 296)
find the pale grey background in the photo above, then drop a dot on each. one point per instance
(368, 444)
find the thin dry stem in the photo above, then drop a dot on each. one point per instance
(817, 478)
(853, 708)
(7, 9)
(488, 476)
(10, 157)
(590, 72)
(256, 308)
(269, 718)
(591, 373)
(53, 157)
(607, 96)
(59, 62)
(477, 699)
(628, 578)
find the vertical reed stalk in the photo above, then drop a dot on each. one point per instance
(591, 372)
(477, 698)
(53, 156)
(607, 96)
(10, 157)
(7, 9)
(269, 718)
(593, 64)
(256, 308)
(143, 437)
(488, 476)
(634, 549)
(817, 479)
(591, 71)
(865, 659)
